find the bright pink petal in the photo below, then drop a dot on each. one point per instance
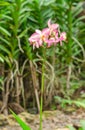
(63, 36)
(52, 26)
(45, 31)
(34, 37)
(40, 42)
(50, 42)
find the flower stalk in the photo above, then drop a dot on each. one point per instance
(42, 89)
(46, 38)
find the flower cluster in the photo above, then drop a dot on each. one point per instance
(50, 36)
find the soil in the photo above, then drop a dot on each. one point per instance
(52, 120)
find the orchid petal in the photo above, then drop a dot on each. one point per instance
(49, 23)
(38, 31)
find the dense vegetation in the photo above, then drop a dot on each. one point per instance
(20, 65)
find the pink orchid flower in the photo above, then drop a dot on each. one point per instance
(52, 26)
(49, 35)
(62, 37)
(36, 39)
(52, 34)
(51, 41)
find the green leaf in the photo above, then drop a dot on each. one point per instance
(1, 60)
(80, 128)
(4, 3)
(23, 125)
(71, 128)
(79, 103)
(4, 49)
(23, 33)
(7, 60)
(82, 122)
(5, 41)
(4, 31)
(5, 16)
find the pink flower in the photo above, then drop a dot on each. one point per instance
(49, 35)
(45, 34)
(36, 39)
(39, 37)
(50, 42)
(52, 35)
(52, 26)
(63, 36)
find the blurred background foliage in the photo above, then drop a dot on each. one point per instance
(20, 65)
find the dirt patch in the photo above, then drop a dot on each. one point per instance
(52, 120)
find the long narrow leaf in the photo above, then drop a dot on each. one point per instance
(4, 31)
(4, 49)
(21, 122)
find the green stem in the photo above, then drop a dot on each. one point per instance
(42, 90)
